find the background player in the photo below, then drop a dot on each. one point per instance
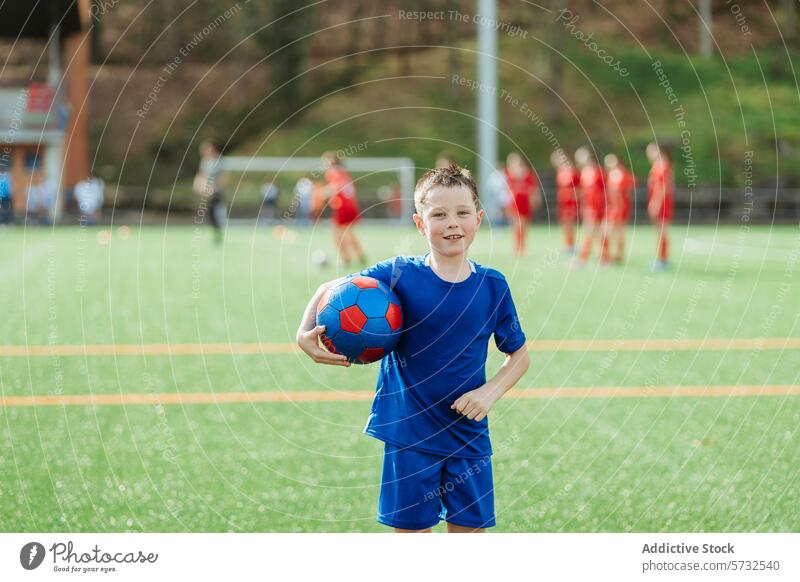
(660, 200)
(524, 189)
(209, 184)
(567, 183)
(619, 185)
(341, 194)
(593, 205)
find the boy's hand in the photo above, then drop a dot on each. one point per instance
(309, 343)
(474, 404)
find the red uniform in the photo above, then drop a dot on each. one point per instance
(567, 180)
(661, 177)
(520, 188)
(593, 194)
(344, 203)
(619, 184)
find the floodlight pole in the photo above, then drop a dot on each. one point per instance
(706, 46)
(487, 93)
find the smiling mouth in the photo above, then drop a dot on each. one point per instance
(454, 236)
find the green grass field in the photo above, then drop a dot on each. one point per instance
(726, 463)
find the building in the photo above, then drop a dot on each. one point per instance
(44, 124)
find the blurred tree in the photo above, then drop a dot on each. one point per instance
(279, 28)
(671, 11)
(453, 53)
(556, 64)
(790, 20)
(95, 36)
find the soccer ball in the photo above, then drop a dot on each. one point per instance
(319, 258)
(362, 319)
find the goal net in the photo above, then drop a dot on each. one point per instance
(285, 188)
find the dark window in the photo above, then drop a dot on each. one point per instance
(32, 161)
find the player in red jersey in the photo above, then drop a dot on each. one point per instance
(567, 183)
(660, 200)
(341, 195)
(619, 185)
(593, 205)
(524, 189)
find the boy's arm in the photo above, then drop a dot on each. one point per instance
(308, 333)
(475, 404)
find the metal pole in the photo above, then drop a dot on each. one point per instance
(487, 93)
(705, 28)
(54, 159)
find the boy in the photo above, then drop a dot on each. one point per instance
(593, 206)
(433, 398)
(269, 198)
(619, 185)
(345, 211)
(660, 200)
(525, 198)
(209, 183)
(567, 183)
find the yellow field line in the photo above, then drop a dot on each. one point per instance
(351, 396)
(196, 349)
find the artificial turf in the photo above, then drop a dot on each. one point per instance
(561, 464)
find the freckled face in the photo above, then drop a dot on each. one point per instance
(449, 220)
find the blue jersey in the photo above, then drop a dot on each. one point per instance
(440, 356)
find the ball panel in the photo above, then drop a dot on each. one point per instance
(377, 326)
(329, 317)
(344, 295)
(377, 334)
(349, 344)
(394, 315)
(373, 302)
(324, 300)
(370, 355)
(352, 319)
(364, 282)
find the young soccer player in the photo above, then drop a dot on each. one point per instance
(433, 398)
(341, 194)
(660, 200)
(619, 185)
(209, 184)
(567, 182)
(593, 206)
(524, 188)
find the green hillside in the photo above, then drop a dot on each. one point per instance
(730, 106)
(716, 111)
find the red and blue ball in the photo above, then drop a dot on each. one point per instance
(362, 318)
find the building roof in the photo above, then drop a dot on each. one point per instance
(34, 18)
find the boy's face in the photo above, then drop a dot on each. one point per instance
(207, 150)
(449, 220)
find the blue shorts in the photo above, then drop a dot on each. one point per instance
(418, 489)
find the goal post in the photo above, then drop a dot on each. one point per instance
(360, 167)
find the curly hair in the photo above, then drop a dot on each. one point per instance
(449, 177)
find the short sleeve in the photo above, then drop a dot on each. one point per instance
(382, 271)
(508, 334)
